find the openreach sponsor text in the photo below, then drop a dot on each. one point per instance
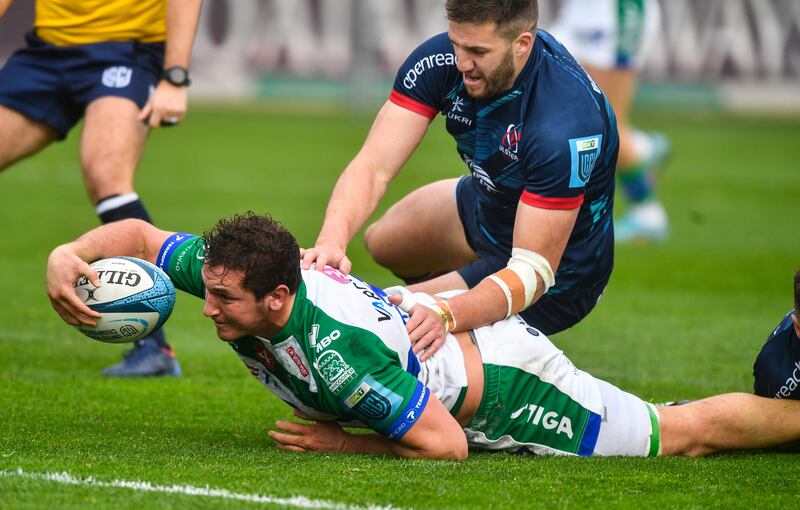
(425, 63)
(791, 383)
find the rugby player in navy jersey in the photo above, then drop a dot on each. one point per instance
(530, 230)
(777, 367)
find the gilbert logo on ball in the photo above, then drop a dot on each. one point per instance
(134, 296)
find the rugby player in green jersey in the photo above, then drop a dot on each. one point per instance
(336, 349)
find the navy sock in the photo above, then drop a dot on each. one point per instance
(122, 207)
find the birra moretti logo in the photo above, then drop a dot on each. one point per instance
(538, 415)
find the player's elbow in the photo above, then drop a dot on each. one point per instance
(461, 452)
(451, 448)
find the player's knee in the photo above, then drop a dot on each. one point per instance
(376, 242)
(684, 431)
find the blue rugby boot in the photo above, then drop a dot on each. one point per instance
(644, 223)
(146, 359)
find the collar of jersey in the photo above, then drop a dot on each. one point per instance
(295, 318)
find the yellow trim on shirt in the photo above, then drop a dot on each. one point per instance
(73, 22)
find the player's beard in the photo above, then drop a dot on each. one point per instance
(499, 80)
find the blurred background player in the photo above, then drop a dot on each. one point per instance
(122, 66)
(610, 38)
(777, 367)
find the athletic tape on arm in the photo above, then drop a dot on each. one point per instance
(441, 308)
(518, 279)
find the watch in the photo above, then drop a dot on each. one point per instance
(177, 75)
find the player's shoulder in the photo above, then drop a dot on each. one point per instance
(785, 328)
(558, 76)
(434, 57)
(563, 101)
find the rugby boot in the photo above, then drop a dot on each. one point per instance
(644, 223)
(146, 359)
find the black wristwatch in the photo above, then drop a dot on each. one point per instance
(177, 75)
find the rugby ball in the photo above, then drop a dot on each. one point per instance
(134, 296)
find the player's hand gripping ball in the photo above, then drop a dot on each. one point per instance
(135, 298)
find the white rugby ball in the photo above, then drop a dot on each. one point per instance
(134, 296)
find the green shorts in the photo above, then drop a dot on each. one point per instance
(536, 401)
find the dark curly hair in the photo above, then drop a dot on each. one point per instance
(512, 17)
(257, 245)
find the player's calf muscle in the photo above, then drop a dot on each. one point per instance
(734, 421)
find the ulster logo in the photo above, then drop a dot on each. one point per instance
(509, 144)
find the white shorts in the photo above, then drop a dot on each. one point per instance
(536, 401)
(608, 34)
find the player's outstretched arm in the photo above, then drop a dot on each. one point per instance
(436, 435)
(68, 262)
(392, 139)
(168, 103)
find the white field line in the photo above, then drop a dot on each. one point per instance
(190, 490)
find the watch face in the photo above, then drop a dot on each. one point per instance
(177, 76)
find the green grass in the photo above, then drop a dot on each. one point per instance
(680, 320)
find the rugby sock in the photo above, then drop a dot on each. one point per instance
(158, 338)
(637, 184)
(122, 207)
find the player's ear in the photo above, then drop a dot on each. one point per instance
(796, 321)
(522, 44)
(277, 298)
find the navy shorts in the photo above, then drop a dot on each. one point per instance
(553, 312)
(776, 372)
(53, 84)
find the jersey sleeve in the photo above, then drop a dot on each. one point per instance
(378, 391)
(557, 179)
(426, 77)
(181, 257)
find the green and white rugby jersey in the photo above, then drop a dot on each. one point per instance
(344, 353)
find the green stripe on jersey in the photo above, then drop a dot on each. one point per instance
(655, 432)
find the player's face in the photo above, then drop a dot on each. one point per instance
(235, 311)
(485, 59)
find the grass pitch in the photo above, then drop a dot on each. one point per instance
(684, 319)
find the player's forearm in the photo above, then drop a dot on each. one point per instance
(126, 237)
(182, 19)
(377, 444)
(482, 305)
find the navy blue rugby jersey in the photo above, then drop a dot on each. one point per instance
(550, 142)
(777, 367)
